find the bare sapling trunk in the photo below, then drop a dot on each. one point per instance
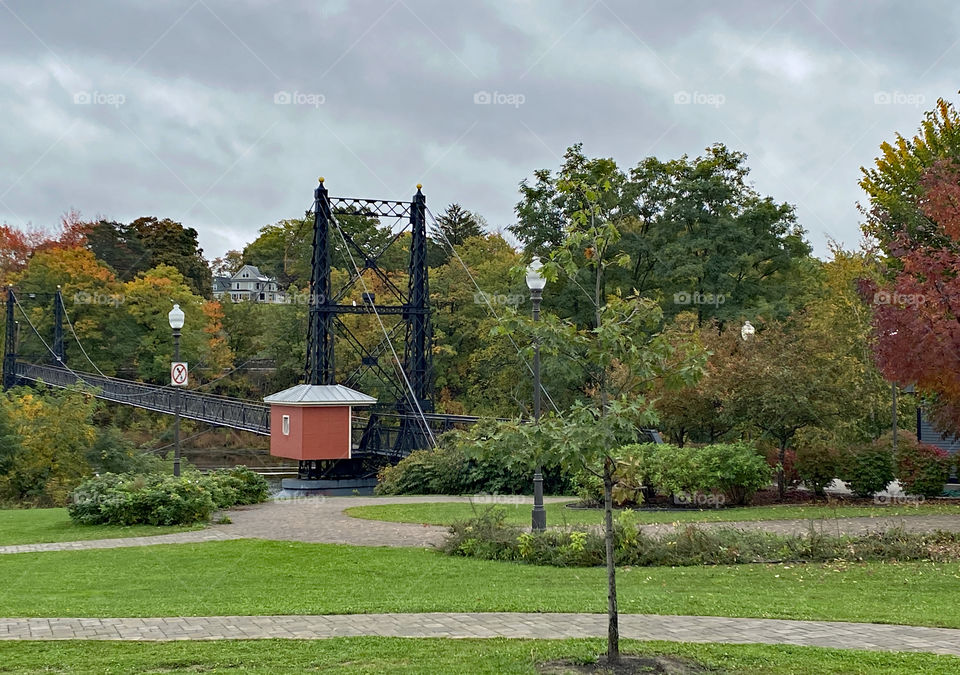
(781, 482)
(613, 627)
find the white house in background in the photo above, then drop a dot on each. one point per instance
(251, 285)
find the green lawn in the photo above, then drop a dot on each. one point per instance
(256, 577)
(444, 513)
(399, 655)
(37, 526)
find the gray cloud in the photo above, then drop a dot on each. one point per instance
(182, 119)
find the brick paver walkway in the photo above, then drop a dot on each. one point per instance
(487, 625)
(322, 520)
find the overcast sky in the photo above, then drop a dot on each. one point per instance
(221, 114)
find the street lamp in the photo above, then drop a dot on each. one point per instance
(176, 318)
(536, 283)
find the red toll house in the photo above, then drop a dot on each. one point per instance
(312, 422)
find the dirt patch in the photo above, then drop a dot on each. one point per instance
(629, 665)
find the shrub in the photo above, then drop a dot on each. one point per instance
(158, 499)
(112, 453)
(818, 459)
(921, 469)
(735, 469)
(134, 499)
(868, 469)
(438, 471)
(235, 487)
(450, 469)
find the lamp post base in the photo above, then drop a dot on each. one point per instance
(538, 519)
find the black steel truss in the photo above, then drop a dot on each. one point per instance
(415, 389)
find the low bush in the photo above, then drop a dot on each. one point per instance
(235, 487)
(159, 499)
(450, 470)
(818, 459)
(488, 538)
(134, 499)
(732, 472)
(868, 468)
(736, 470)
(921, 469)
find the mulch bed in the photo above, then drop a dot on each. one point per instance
(629, 665)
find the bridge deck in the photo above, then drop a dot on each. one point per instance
(218, 410)
(212, 409)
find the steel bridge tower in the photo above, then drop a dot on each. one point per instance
(414, 390)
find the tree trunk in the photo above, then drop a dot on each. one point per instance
(781, 487)
(613, 628)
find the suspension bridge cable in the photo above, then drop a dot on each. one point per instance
(492, 311)
(413, 396)
(44, 342)
(77, 338)
(159, 387)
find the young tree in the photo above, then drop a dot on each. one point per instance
(623, 354)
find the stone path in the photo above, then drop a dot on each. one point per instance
(322, 520)
(879, 637)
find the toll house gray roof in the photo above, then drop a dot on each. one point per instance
(319, 394)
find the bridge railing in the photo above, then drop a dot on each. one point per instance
(218, 410)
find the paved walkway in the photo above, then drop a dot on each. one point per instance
(322, 520)
(487, 625)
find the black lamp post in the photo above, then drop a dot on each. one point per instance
(536, 283)
(176, 318)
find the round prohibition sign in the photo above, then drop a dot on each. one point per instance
(178, 374)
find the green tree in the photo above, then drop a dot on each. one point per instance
(782, 381)
(624, 355)
(699, 411)
(148, 299)
(698, 236)
(118, 246)
(170, 243)
(456, 225)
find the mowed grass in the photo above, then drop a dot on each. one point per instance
(257, 577)
(38, 526)
(407, 656)
(445, 513)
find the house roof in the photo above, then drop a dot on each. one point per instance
(255, 274)
(320, 394)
